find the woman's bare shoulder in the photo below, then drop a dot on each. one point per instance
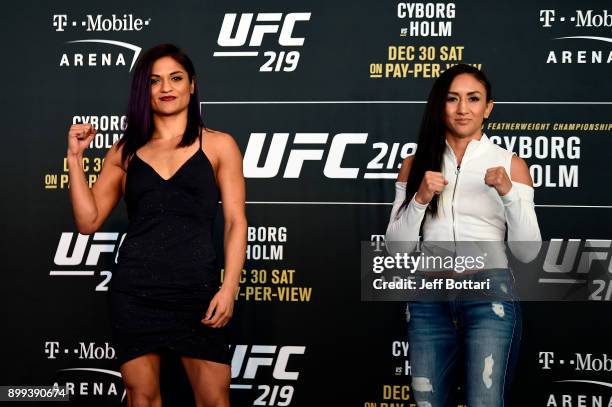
(216, 136)
(405, 170)
(219, 141)
(519, 171)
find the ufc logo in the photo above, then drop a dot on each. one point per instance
(264, 355)
(271, 23)
(297, 156)
(63, 256)
(593, 250)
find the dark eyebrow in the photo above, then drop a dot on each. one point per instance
(469, 93)
(171, 73)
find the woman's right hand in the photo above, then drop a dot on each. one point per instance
(432, 183)
(79, 137)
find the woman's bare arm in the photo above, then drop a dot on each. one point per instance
(92, 206)
(231, 182)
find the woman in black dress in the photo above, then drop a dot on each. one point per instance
(172, 173)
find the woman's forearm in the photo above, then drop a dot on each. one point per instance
(83, 203)
(403, 230)
(524, 237)
(235, 252)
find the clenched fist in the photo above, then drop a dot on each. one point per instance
(433, 183)
(79, 137)
(498, 178)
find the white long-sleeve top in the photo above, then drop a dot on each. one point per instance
(469, 209)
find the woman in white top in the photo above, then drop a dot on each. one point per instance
(459, 186)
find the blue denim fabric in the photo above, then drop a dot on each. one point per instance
(477, 341)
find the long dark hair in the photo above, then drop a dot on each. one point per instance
(432, 139)
(139, 116)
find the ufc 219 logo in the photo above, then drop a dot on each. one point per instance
(322, 147)
(84, 252)
(252, 362)
(252, 30)
(571, 261)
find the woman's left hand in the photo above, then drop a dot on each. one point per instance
(220, 309)
(498, 178)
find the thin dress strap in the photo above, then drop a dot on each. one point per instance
(200, 137)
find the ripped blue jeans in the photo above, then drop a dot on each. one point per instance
(473, 343)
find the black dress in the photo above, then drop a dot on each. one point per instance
(166, 272)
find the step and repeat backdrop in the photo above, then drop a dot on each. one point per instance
(324, 100)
